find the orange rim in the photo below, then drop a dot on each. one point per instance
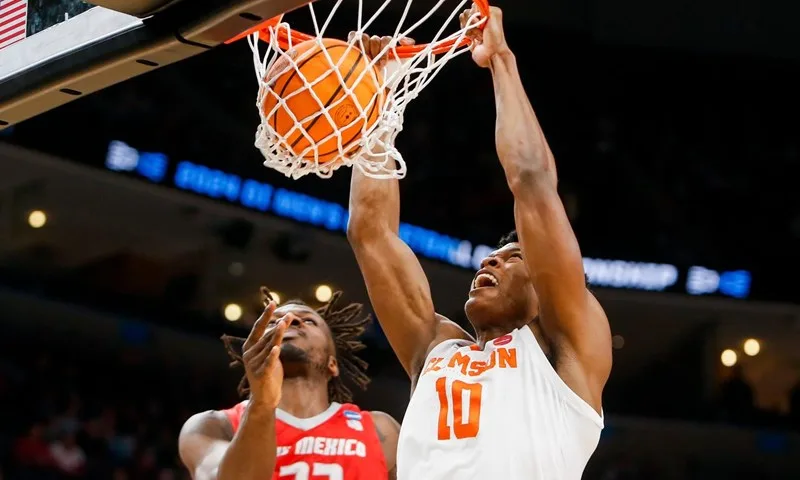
(286, 39)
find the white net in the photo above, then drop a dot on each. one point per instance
(301, 133)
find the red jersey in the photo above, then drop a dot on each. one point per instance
(341, 443)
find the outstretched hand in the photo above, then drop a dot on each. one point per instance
(261, 360)
(488, 42)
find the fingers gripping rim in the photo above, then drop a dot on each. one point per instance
(288, 38)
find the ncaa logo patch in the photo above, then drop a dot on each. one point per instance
(354, 420)
(351, 415)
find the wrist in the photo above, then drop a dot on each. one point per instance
(503, 56)
(261, 407)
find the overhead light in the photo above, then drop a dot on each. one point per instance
(728, 358)
(751, 347)
(276, 297)
(236, 269)
(233, 312)
(37, 219)
(323, 293)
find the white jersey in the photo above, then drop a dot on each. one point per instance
(498, 413)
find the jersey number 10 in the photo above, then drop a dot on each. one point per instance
(464, 426)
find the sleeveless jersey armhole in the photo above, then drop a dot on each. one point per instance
(576, 402)
(369, 424)
(234, 415)
(437, 349)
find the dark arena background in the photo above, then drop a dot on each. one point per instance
(138, 223)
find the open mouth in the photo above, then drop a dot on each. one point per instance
(484, 280)
(291, 334)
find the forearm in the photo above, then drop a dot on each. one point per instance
(251, 454)
(397, 287)
(520, 142)
(374, 207)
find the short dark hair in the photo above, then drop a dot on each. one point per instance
(346, 324)
(512, 237)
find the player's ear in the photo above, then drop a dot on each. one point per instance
(333, 366)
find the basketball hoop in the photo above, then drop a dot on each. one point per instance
(371, 149)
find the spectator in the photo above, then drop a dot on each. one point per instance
(737, 397)
(69, 422)
(68, 456)
(31, 452)
(166, 474)
(120, 474)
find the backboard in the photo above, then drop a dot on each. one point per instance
(72, 48)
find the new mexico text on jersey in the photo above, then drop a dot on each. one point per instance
(341, 443)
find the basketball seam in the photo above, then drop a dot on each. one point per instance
(335, 93)
(289, 80)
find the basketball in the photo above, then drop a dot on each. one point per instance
(314, 86)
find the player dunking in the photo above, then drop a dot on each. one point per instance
(521, 401)
(296, 424)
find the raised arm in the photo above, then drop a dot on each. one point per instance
(570, 316)
(208, 445)
(397, 286)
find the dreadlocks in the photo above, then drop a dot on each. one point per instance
(346, 325)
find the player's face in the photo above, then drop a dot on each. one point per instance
(502, 292)
(307, 341)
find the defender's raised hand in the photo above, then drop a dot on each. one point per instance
(261, 360)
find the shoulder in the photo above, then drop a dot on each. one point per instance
(388, 430)
(211, 423)
(446, 330)
(385, 424)
(203, 440)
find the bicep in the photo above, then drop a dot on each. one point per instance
(400, 295)
(569, 312)
(202, 443)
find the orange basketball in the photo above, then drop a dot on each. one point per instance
(316, 72)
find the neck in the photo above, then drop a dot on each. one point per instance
(489, 333)
(304, 397)
(486, 335)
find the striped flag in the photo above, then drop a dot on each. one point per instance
(13, 21)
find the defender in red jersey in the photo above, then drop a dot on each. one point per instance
(340, 443)
(297, 423)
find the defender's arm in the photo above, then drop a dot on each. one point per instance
(211, 452)
(202, 443)
(388, 433)
(570, 315)
(396, 283)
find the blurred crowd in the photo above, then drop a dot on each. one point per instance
(104, 419)
(70, 416)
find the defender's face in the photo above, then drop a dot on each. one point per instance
(307, 337)
(502, 289)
